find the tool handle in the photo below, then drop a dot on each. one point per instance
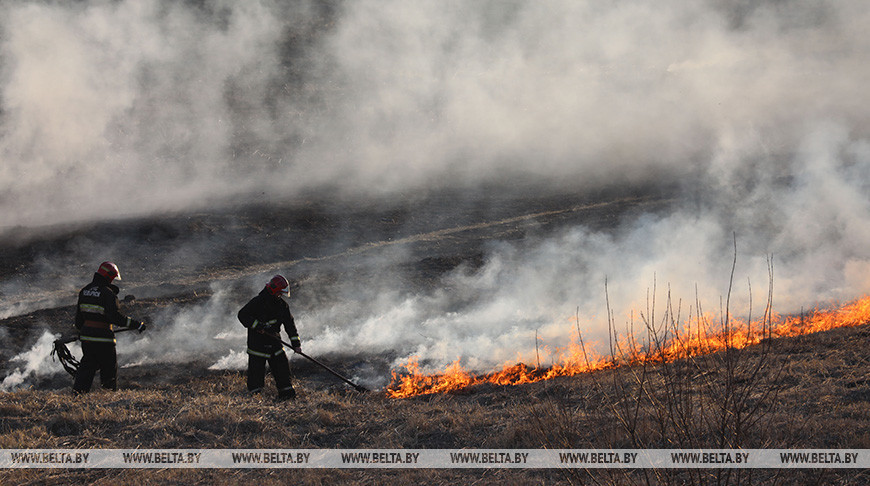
(327, 368)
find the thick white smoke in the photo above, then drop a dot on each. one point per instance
(163, 105)
(114, 108)
(30, 364)
(758, 110)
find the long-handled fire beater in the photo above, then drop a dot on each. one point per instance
(327, 368)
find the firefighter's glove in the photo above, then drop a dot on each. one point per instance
(295, 344)
(141, 327)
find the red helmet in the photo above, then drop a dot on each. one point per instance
(278, 285)
(109, 270)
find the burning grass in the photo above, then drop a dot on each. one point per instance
(695, 337)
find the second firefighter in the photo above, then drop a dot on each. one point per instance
(263, 316)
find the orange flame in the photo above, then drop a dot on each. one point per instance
(689, 341)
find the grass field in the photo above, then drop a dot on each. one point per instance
(816, 390)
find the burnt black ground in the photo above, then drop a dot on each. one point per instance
(172, 259)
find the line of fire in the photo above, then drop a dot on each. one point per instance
(695, 338)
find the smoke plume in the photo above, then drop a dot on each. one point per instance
(757, 112)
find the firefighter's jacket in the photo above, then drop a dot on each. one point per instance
(98, 312)
(266, 313)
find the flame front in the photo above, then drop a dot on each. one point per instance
(693, 339)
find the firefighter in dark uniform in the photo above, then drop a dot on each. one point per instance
(263, 316)
(97, 314)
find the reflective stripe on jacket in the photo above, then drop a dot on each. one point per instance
(97, 311)
(266, 313)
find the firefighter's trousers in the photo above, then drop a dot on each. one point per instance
(280, 368)
(97, 356)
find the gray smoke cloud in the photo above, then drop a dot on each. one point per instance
(758, 110)
(165, 105)
(124, 102)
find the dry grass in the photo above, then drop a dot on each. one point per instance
(822, 402)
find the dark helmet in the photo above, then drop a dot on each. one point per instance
(278, 286)
(109, 270)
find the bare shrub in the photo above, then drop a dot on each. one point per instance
(668, 388)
